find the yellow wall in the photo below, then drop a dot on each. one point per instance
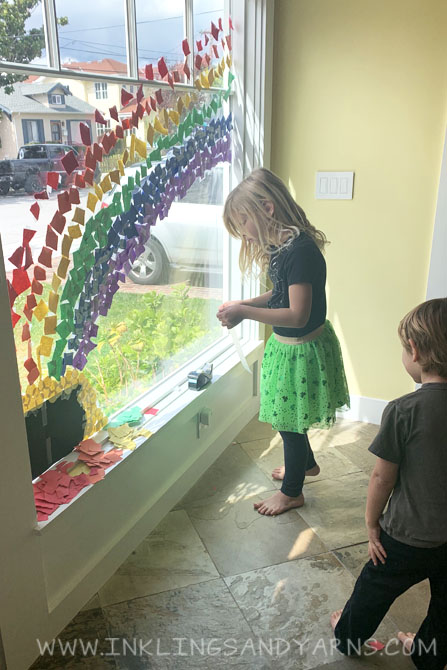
(361, 85)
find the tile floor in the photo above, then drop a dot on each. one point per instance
(216, 585)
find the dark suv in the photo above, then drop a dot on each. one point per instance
(33, 161)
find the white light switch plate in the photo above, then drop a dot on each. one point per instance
(334, 185)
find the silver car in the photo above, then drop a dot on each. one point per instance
(190, 238)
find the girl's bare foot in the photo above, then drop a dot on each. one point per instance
(278, 473)
(278, 503)
(406, 639)
(335, 618)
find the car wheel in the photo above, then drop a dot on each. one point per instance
(32, 184)
(4, 189)
(150, 267)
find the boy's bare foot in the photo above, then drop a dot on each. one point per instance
(335, 618)
(278, 503)
(406, 639)
(278, 473)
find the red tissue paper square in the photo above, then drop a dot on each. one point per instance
(58, 222)
(149, 71)
(53, 179)
(162, 68)
(99, 118)
(114, 113)
(126, 97)
(86, 136)
(185, 47)
(63, 202)
(70, 162)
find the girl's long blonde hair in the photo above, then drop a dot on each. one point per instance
(249, 201)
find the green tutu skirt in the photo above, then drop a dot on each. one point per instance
(302, 385)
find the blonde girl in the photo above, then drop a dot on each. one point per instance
(302, 377)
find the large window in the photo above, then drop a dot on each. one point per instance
(125, 269)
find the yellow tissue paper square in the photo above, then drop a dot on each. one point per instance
(211, 77)
(150, 134)
(141, 148)
(198, 85)
(53, 300)
(74, 231)
(91, 201)
(41, 310)
(158, 126)
(50, 325)
(115, 176)
(106, 184)
(125, 156)
(179, 105)
(55, 283)
(204, 80)
(186, 100)
(79, 216)
(98, 191)
(174, 116)
(67, 241)
(46, 345)
(63, 267)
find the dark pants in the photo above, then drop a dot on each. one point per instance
(378, 587)
(298, 457)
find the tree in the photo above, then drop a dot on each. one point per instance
(18, 45)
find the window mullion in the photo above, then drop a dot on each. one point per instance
(51, 36)
(131, 38)
(188, 26)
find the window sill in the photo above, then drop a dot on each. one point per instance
(170, 404)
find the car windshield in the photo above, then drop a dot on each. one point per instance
(32, 152)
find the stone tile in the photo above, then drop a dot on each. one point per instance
(87, 628)
(407, 611)
(172, 556)
(232, 477)
(255, 430)
(200, 622)
(92, 604)
(268, 454)
(352, 439)
(291, 604)
(335, 509)
(239, 539)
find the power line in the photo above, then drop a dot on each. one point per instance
(139, 23)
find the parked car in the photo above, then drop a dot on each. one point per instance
(190, 238)
(33, 161)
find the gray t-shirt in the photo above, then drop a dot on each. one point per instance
(413, 433)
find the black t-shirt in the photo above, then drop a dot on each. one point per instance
(413, 434)
(299, 262)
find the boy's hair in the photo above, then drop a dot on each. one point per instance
(248, 201)
(426, 325)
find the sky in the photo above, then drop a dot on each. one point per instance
(95, 29)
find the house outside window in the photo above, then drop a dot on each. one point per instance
(56, 99)
(101, 90)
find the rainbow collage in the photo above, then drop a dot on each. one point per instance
(183, 142)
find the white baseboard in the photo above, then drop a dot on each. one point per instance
(364, 409)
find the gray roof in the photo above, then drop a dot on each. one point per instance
(21, 100)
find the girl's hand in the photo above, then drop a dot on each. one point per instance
(375, 548)
(228, 304)
(230, 314)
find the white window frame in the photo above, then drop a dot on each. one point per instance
(55, 99)
(101, 92)
(99, 528)
(101, 129)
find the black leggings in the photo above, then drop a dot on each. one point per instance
(298, 457)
